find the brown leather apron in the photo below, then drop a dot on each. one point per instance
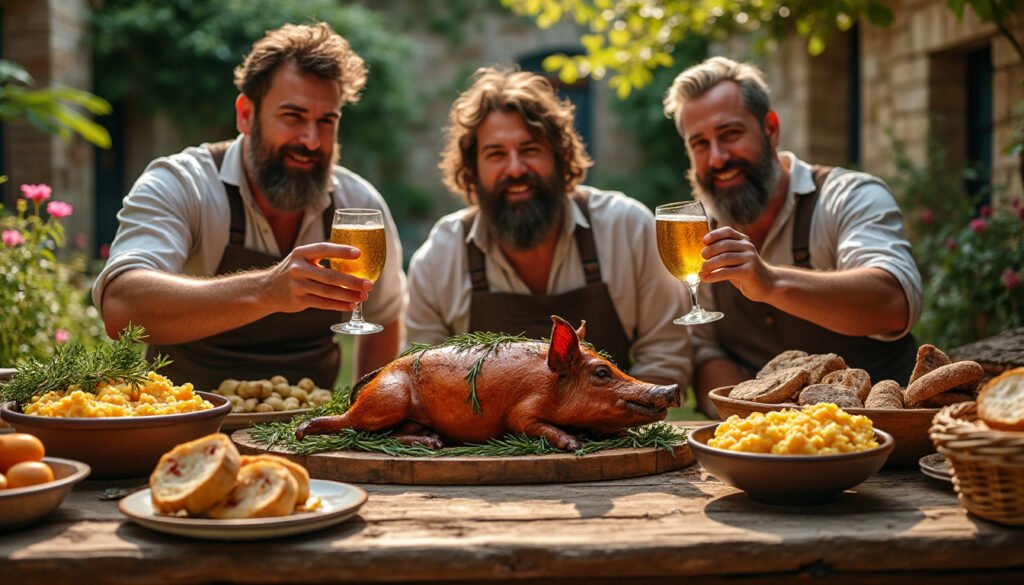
(531, 314)
(295, 345)
(752, 333)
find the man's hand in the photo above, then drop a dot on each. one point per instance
(299, 282)
(730, 255)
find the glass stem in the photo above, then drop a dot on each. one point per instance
(357, 314)
(696, 308)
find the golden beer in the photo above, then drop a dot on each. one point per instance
(371, 242)
(680, 241)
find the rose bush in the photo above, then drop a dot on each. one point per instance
(970, 253)
(45, 301)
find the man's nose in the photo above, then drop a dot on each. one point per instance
(309, 136)
(719, 156)
(516, 166)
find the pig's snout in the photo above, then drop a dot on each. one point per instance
(669, 393)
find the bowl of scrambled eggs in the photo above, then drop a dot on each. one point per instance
(791, 456)
(119, 431)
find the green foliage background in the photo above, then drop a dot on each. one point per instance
(177, 56)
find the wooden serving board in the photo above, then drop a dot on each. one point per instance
(358, 467)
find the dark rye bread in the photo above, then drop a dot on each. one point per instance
(841, 396)
(856, 379)
(929, 358)
(772, 388)
(942, 379)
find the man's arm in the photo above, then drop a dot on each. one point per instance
(178, 309)
(714, 373)
(857, 301)
(375, 351)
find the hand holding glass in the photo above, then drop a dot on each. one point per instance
(681, 228)
(363, 229)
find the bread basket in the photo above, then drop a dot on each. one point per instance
(988, 465)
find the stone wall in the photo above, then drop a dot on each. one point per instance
(46, 38)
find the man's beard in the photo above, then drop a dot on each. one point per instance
(742, 204)
(525, 224)
(286, 190)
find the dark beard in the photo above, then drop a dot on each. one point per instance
(744, 203)
(285, 190)
(523, 225)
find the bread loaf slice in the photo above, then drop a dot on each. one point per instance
(298, 472)
(195, 475)
(1001, 402)
(264, 489)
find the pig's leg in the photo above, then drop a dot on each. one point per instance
(413, 433)
(531, 427)
(377, 408)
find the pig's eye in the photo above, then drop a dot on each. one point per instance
(602, 373)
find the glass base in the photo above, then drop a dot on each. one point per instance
(351, 328)
(696, 317)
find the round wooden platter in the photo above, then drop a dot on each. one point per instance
(357, 467)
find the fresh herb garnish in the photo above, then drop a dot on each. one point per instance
(120, 361)
(282, 434)
(485, 341)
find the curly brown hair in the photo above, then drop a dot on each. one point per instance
(315, 49)
(533, 98)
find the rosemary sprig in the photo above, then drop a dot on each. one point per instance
(282, 434)
(71, 365)
(485, 341)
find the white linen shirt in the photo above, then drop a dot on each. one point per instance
(647, 298)
(176, 219)
(855, 224)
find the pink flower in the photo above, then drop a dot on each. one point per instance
(61, 336)
(1020, 212)
(59, 209)
(37, 193)
(1011, 279)
(952, 244)
(13, 238)
(978, 225)
(1014, 203)
(104, 251)
(926, 216)
(985, 211)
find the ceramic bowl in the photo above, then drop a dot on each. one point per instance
(20, 507)
(908, 426)
(789, 479)
(118, 447)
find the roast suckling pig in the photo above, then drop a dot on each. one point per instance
(521, 387)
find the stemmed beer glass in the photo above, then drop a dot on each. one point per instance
(681, 228)
(363, 229)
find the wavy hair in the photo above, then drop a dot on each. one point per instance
(532, 97)
(699, 79)
(315, 49)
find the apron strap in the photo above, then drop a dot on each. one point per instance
(804, 210)
(584, 242)
(237, 237)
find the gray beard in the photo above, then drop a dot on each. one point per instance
(742, 204)
(285, 190)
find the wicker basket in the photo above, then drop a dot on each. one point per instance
(988, 465)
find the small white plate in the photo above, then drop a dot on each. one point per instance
(242, 420)
(338, 502)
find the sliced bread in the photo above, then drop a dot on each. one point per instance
(195, 475)
(298, 472)
(264, 489)
(1001, 402)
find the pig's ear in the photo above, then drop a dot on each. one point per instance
(564, 350)
(581, 331)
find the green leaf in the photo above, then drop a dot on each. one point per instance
(879, 14)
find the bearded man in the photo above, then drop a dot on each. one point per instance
(534, 242)
(804, 257)
(218, 254)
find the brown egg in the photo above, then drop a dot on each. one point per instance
(28, 473)
(18, 447)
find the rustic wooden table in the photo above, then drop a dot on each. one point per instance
(899, 526)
